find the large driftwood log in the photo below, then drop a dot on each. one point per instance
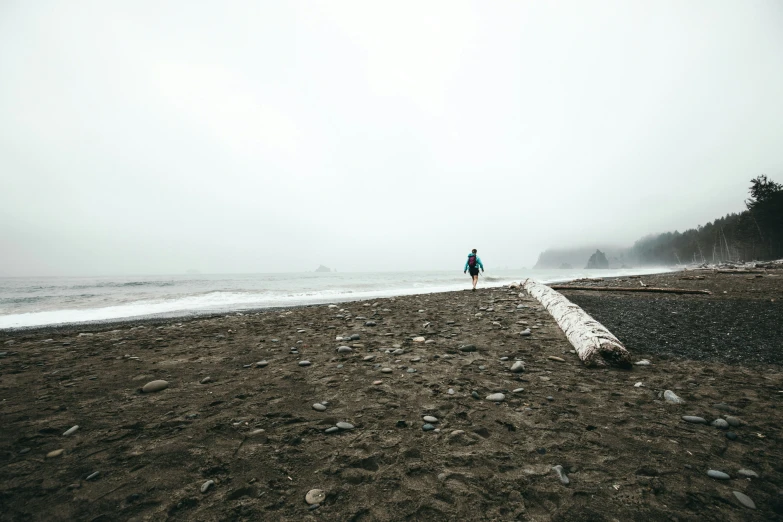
(594, 344)
(630, 289)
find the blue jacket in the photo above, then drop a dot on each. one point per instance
(478, 262)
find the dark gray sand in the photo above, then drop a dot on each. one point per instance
(249, 443)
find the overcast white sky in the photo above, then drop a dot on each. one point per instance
(155, 137)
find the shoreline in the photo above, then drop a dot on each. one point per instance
(168, 317)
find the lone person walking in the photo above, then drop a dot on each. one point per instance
(473, 264)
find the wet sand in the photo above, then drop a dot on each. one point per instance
(627, 452)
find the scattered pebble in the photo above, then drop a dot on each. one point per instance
(344, 349)
(475, 395)
(386, 370)
(672, 397)
(261, 364)
(451, 391)
(518, 390)
(304, 363)
(555, 358)
(638, 385)
(748, 473)
(370, 323)
(428, 427)
(315, 496)
(518, 367)
(411, 370)
(504, 358)
(206, 485)
(430, 419)
(467, 348)
(416, 359)
(345, 425)
(71, 431)
(155, 386)
(720, 424)
(419, 339)
(93, 475)
(733, 421)
(333, 429)
(377, 382)
(744, 500)
(205, 380)
(319, 407)
(496, 397)
(731, 435)
(55, 453)
(643, 362)
(717, 474)
(525, 333)
(561, 474)
(694, 419)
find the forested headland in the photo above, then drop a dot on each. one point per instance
(756, 233)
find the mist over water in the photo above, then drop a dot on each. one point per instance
(28, 302)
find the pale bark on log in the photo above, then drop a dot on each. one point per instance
(594, 344)
(631, 289)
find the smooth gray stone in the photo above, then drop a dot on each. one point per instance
(518, 367)
(428, 427)
(368, 358)
(344, 349)
(717, 474)
(518, 390)
(525, 333)
(694, 419)
(467, 348)
(386, 370)
(416, 359)
(748, 473)
(722, 406)
(155, 386)
(411, 370)
(451, 391)
(206, 380)
(731, 435)
(496, 397)
(744, 500)
(482, 368)
(430, 419)
(319, 407)
(721, 424)
(733, 421)
(304, 363)
(315, 496)
(561, 474)
(261, 364)
(475, 395)
(369, 323)
(504, 358)
(398, 351)
(332, 429)
(672, 397)
(206, 485)
(355, 337)
(345, 425)
(71, 431)
(93, 475)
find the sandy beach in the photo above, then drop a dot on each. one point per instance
(237, 434)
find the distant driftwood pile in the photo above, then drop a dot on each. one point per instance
(594, 344)
(630, 289)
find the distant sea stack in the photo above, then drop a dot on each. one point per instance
(567, 258)
(322, 268)
(598, 260)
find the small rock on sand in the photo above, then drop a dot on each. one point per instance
(333, 429)
(717, 474)
(344, 349)
(672, 397)
(518, 367)
(261, 364)
(377, 382)
(747, 473)
(430, 419)
(386, 370)
(693, 419)
(496, 397)
(555, 358)
(733, 421)
(205, 380)
(744, 500)
(315, 496)
(643, 362)
(206, 485)
(467, 348)
(319, 407)
(720, 424)
(419, 339)
(155, 386)
(345, 425)
(304, 363)
(71, 431)
(561, 474)
(55, 453)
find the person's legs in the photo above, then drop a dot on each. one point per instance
(475, 281)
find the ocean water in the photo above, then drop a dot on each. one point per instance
(30, 302)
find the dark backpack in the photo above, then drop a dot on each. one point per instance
(472, 261)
